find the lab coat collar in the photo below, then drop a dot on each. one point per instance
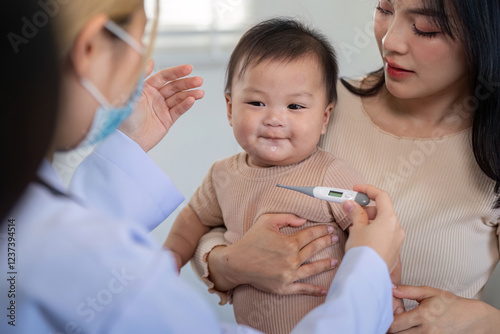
(48, 174)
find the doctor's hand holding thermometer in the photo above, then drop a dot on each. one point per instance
(376, 227)
(342, 196)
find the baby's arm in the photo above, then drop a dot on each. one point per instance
(184, 235)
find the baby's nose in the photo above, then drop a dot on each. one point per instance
(275, 117)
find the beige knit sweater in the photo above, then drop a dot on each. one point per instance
(235, 194)
(442, 199)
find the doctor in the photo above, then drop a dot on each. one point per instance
(80, 260)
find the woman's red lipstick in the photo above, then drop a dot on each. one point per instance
(396, 72)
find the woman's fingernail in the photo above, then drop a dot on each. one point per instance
(323, 292)
(394, 286)
(348, 206)
(330, 229)
(335, 239)
(334, 263)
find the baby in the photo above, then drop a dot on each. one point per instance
(280, 92)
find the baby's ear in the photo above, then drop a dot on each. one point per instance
(229, 107)
(326, 117)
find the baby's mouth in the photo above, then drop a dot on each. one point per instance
(273, 137)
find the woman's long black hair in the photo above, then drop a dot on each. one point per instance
(29, 87)
(477, 25)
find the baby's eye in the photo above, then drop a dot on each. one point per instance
(256, 104)
(294, 106)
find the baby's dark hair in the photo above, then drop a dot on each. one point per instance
(283, 39)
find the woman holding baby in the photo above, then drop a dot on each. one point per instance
(425, 129)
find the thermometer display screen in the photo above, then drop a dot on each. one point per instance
(335, 194)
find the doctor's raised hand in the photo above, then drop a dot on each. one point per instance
(166, 96)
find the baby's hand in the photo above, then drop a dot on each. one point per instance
(397, 306)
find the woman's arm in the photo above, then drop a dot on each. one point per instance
(443, 312)
(270, 261)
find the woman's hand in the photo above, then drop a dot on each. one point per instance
(166, 96)
(441, 311)
(271, 261)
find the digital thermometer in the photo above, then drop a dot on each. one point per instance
(331, 194)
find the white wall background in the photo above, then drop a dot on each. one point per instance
(203, 135)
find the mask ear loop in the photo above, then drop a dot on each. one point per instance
(124, 36)
(92, 89)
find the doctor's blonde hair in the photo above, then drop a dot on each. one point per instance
(74, 15)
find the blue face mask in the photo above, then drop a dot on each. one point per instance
(107, 117)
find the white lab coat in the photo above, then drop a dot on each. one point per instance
(85, 263)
